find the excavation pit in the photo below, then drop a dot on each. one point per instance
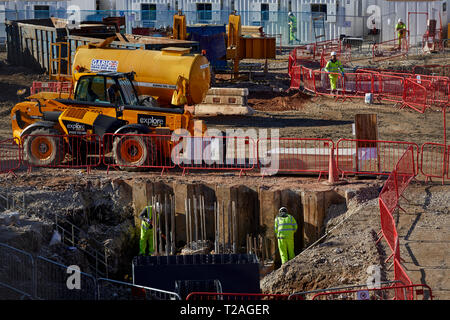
(106, 209)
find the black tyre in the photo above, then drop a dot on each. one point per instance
(132, 152)
(43, 147)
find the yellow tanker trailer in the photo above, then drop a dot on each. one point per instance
(171, 76)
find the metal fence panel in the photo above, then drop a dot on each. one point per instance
(109, 289)
(54, 282)
(16, 273)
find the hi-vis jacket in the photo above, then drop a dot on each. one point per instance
(334, 67)
(285, 227)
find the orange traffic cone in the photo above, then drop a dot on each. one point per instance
(333, 173)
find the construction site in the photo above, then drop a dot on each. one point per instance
(205, 134)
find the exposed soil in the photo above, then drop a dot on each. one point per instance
(343, 258)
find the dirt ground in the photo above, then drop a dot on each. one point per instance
(295, 114)
(344, 257)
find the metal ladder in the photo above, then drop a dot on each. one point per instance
(56, 47)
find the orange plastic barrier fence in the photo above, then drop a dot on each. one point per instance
(288, 155)
(10, 156)
(61, 151)
(434, 161)
(375, 157)
(397, 292)
(135, 151)
(40, 86)
(389, 49)
(235, 296)
(217, 153)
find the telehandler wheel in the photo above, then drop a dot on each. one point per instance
(44, 147)
(132, 153)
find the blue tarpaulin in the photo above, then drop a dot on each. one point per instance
(211, 38)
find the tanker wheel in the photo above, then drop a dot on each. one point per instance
(43, 147)
(132, 153)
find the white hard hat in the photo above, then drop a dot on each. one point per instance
(334, 53)
(283, 210)
(400, 20)
(290, 13)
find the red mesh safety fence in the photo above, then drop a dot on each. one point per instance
(388, 225)
(378, 157)
(387, 87)
(358, 84)
(402, 293)
(133, 151)
(389, 194)
(416, 96)
(10, 156)
(287, 155)
(405, 170)
(296, 72)
(216, 153)
(432, 69)
(437, 87)
(322, 82)
(39, 86)
(61, 151)
(389, 49)
(434, 160)
(308, 79)
(396, 292)
(235, 296)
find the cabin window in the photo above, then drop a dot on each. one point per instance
(264, 12)
(204, 11)
(148, 11)
(41, 12)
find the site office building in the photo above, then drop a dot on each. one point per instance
(342, 17)
(21, 10)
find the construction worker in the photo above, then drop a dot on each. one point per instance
(334, 66)
(292, 27)
(147, 228)
(400, 27)
(285, 227)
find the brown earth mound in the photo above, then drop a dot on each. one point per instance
(285, 102)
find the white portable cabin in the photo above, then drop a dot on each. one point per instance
(146, 13)
(391, 11)
(354, 17)
(265, 13)
(205, 11)
(23, 10)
